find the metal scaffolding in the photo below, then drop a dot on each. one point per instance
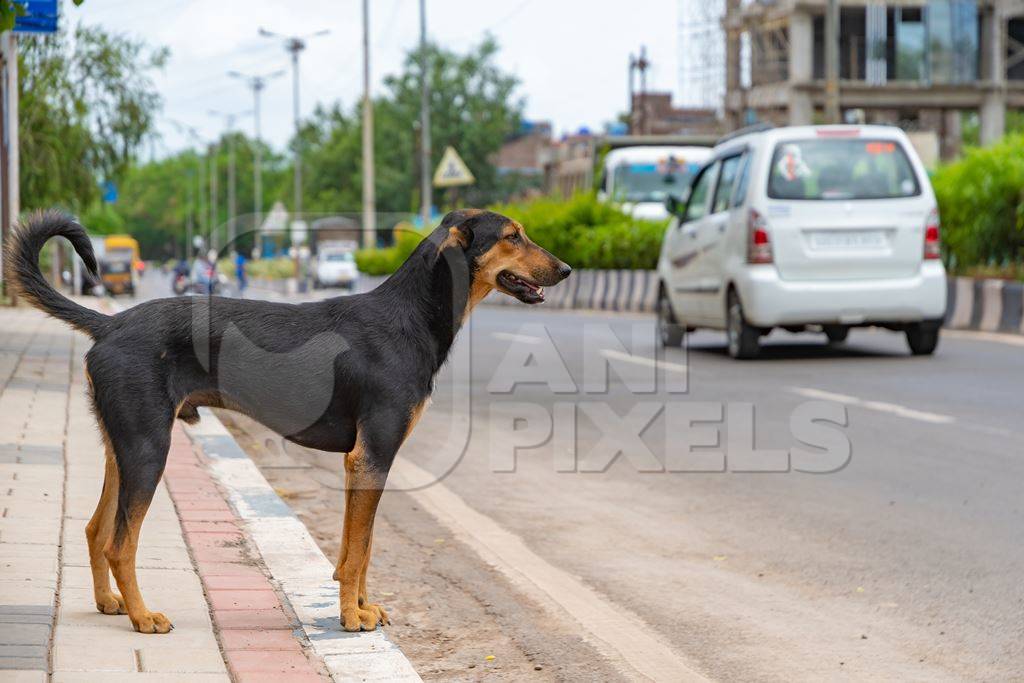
(701, 54)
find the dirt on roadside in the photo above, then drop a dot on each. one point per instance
(454, 617)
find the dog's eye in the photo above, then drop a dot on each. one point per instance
(513, 238)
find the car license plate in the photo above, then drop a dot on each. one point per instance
(847, 239)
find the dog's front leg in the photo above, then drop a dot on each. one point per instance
(364, 483)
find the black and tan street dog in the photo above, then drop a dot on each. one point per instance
(350, 375)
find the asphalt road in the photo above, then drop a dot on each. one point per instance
(904, 563)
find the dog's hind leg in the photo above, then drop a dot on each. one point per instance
(98, 533)
(141, 447)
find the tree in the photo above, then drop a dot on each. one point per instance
(157, 198)
(86, 103)
(473, 108)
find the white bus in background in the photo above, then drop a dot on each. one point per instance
(640, 179)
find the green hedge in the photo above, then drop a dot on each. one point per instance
(386, 261)
(585, 233)
(581, 231)
(278, 268)
(981, 203)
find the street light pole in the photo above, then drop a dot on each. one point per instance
(212, 233)
(194, 210)
(425, 185)
(369, 195)
(832, 113)
(189, 225)
(229, 125)
(257, 83)
(295, 45)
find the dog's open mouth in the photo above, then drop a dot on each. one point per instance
(521, 288)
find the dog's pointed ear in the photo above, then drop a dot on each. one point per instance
(460, 227)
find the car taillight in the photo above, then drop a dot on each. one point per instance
(759, 246)
(932, 243)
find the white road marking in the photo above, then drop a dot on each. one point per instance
(521, 338)
(614, 631)
(881, 406)
(644, 360)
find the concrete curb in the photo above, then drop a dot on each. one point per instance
(972, 304)
(296, 563)
(985, 305)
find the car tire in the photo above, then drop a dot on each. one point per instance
(743, 338)
(922, 338)
(836, 334)
(670, 333)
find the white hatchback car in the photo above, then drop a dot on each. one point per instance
(805, 228)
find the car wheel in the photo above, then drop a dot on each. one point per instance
(743, 337)
(922, 338)
(669, 332)
(836, 334)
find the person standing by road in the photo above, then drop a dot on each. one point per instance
(240, 272)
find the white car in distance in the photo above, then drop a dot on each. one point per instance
(818, 228)
(336, 266)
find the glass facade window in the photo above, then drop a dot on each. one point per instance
(937, 43)
(910, 44)
(965, 30)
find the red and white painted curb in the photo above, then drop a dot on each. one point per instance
(293, 560)
(256, 631)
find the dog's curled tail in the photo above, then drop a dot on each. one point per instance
(21, 263)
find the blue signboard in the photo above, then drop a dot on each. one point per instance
(109, 191)
(40, 17)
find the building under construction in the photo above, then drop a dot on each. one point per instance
(919, 65)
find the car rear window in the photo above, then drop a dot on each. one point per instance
(856, 168)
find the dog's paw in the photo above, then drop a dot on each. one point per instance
(110, 603)
(360, 620)
(382, 615)
(153, 622)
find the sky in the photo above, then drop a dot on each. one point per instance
(570, 56)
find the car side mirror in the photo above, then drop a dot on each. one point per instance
(675, 206)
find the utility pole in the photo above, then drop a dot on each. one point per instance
(369, 194)
(426, 193)
(832, 114)
(295, 45)
(632, 74)
(10, 204)
(257, 83)
(642, 65)
(229, 124)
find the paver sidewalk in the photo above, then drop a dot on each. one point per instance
(193, 559)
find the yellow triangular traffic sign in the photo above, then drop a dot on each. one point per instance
(452, 171)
